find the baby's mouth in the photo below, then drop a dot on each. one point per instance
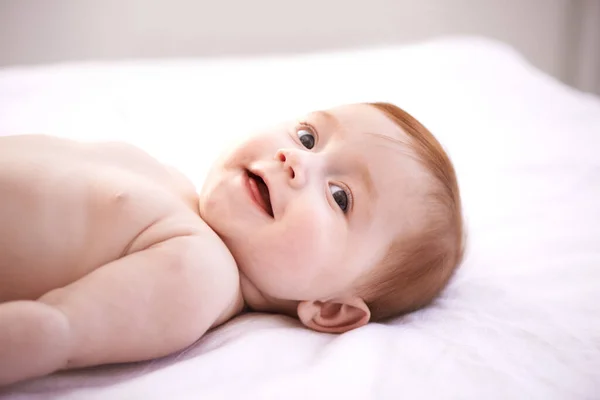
(260, 192)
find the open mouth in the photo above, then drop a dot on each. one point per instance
(260, 192)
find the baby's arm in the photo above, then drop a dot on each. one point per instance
(145, 305)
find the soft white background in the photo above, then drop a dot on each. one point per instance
(562, 37)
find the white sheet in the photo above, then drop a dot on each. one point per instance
(521, 319)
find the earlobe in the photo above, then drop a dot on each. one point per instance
(336, 316)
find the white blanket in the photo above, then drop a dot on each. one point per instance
(521, 320)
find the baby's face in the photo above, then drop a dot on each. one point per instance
(310, 206)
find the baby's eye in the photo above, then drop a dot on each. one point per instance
(340, 196)
(307, 138)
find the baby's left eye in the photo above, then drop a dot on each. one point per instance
(340, 196)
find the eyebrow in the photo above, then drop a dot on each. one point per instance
(328, 117)
(367, 180)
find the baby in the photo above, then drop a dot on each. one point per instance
(347, 216)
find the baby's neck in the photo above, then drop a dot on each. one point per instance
(255, 300)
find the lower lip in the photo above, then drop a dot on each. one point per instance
(253, 192)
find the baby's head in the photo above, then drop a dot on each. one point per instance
(343, 217)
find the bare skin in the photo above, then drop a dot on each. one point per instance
(107, 256)
(103, 258)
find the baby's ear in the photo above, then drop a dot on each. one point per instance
(336, 316)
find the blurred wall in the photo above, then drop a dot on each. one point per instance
(562, 37)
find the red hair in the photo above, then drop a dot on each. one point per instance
(416, 269)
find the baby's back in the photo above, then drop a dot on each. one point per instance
(67, 208)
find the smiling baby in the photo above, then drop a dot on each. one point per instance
(346, 216)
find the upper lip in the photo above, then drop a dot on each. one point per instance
(262, 176)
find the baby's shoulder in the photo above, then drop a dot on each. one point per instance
(150, 174)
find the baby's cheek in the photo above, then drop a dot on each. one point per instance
(246, 151)
(312, 236)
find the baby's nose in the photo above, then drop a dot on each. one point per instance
(294, 165)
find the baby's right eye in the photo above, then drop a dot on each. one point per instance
(306, 136)
(341, 197)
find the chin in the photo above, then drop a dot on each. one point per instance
(210, 211)
(205, 206)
